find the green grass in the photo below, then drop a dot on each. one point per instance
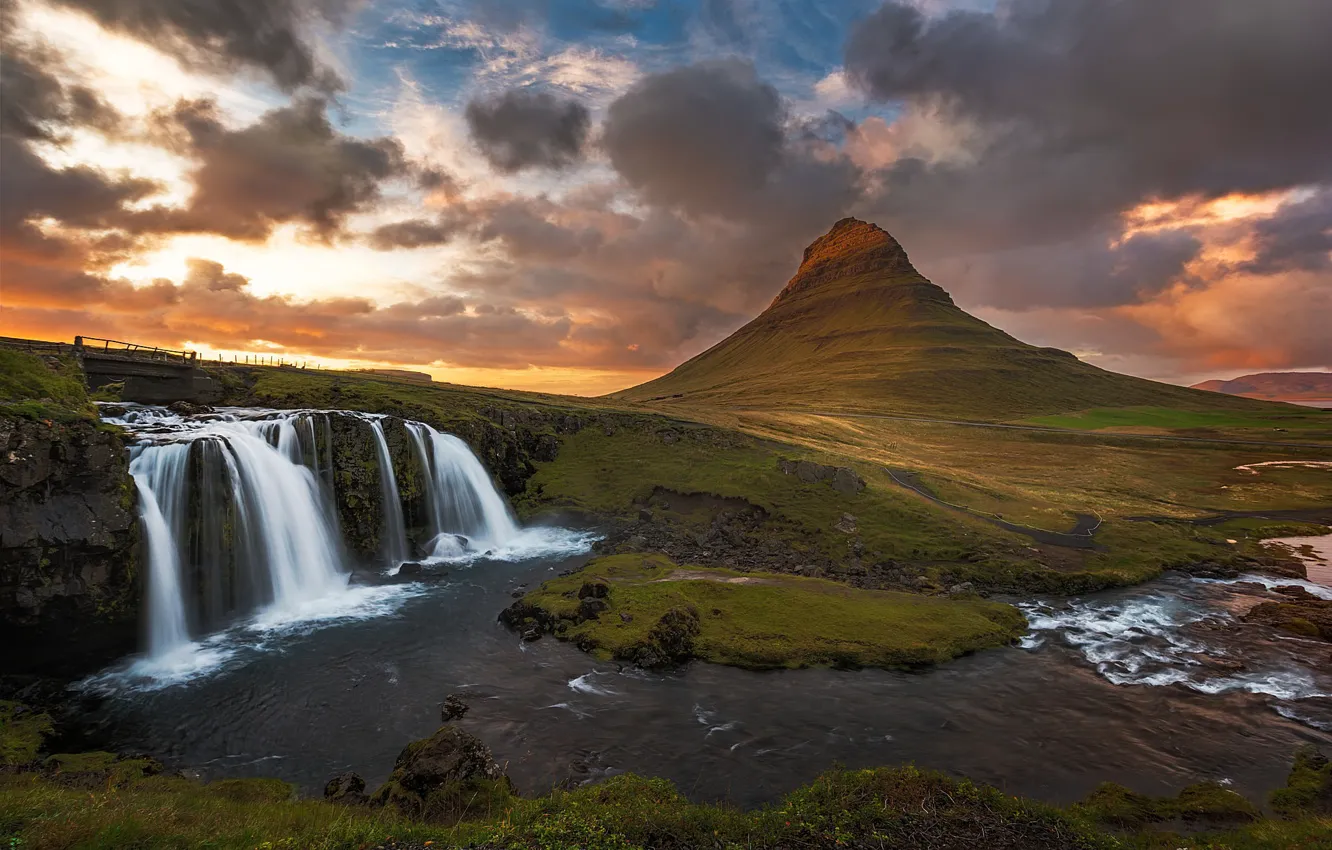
(31, 388)
(761, 620)
(884, 808)
(615, 475)
(901, 808)
(21, 732)
(1165, 419)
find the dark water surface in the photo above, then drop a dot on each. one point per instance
(1046, 721)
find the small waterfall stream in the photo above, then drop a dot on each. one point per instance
(395, 530)
(461, 499)
(240, 517)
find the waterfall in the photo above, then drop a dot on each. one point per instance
(234, 521)
(461, 498)
(241, 524)
(395, 530)
(159, 472)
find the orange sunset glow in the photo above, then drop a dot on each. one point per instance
(521, 208)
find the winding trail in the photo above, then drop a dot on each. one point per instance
(1079, 537)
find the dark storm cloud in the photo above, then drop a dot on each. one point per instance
(1087, 107)
(290, 165)
(78, 196)
(228, 35)
(527, 129)
(1090, 271)
(1298, 237)
(33, 102)
(414, 233)
(704, 138)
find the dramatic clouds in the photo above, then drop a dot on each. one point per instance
(705, 138)
(527, 184)
(290, 165)
(526, 129)
(271, 36)
(1063, 118)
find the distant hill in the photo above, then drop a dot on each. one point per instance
(1276, 386)
(859, 329)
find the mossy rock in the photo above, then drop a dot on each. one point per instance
(1214, 803)
(1308, 788)
(1210, 802)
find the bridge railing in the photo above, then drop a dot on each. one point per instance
(115, 346)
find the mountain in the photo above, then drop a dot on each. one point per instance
(859, 329)
(1282, 386)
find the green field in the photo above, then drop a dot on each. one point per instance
(1300, 423)
(761, 620)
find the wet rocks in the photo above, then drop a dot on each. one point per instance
(188, 408)
(453, 708)
(346, 788)
(1306, 616)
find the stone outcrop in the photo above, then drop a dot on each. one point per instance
(439, 777)
(68, 532)
(850, 248)
(842, 479)
(1305, 614)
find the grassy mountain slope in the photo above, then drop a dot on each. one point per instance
(859, 329)
(1275, 385)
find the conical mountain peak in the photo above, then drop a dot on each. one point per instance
(858, 328)
(851, 247)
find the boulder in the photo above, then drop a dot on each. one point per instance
(591, 608)
(846, 525)
(346, 788)
(410, 568)
(453, 708)
(841, 478)
(442, 776)
(670, 642)
(188, 408)
(594, 590)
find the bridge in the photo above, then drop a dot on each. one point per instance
(150, 375)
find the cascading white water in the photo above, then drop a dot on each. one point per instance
(461, 499)
(241, 525)
(395, 530)
(281, 517)
(159, 473)
(271, 531)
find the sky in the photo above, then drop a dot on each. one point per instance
(577, 195)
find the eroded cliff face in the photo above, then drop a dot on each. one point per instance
(68, 546)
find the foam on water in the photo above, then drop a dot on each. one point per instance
(1174, 637)
(1320, 590)
(584, 684)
